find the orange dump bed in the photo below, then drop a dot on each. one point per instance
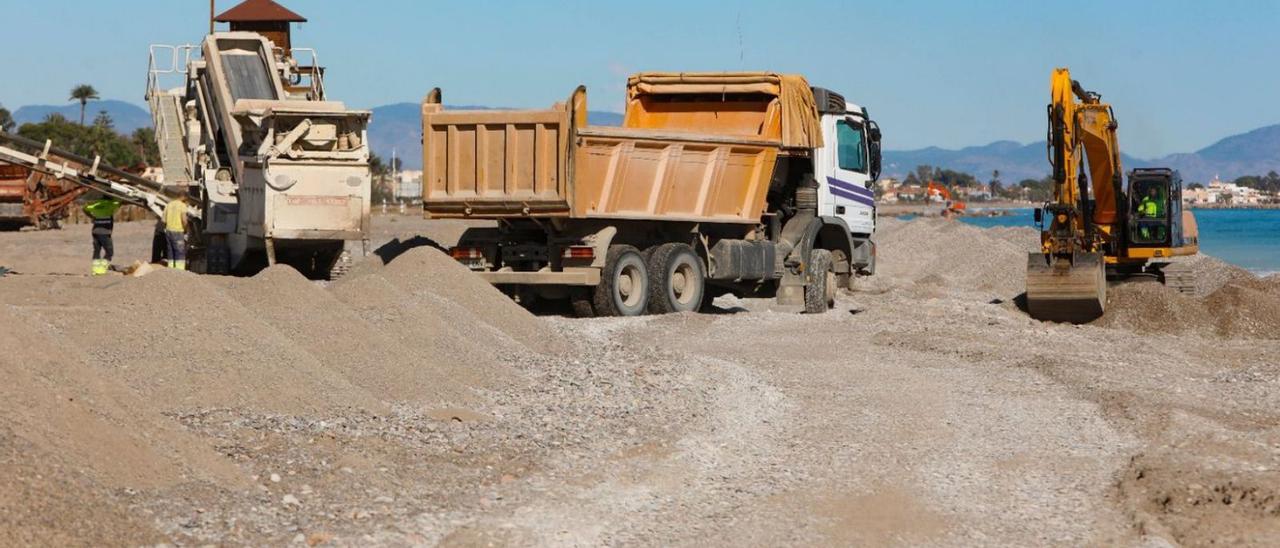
(690, 149)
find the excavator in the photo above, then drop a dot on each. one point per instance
(950, 207)
(1100, 230)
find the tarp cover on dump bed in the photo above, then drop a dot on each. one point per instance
(800, 122)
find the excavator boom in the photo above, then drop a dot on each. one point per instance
(1066, 280)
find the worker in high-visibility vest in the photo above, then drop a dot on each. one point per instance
(175, 232)
(102, 212)
(1149, 208)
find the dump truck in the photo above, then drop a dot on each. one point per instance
(280, 173)
(754, 184)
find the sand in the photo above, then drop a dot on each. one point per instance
(410, 403)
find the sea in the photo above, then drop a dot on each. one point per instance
(1248, 238)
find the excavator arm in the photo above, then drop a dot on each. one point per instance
(1066, 281)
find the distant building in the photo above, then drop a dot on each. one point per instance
(407, 185)
(1220, 192)
(978, 193)
(909, 192)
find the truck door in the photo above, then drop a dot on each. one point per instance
(844, 173)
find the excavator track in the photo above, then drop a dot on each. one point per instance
(1180, 277)
(1060, 289)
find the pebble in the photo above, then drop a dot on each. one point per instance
(290, 500)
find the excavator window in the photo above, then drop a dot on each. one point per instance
(851, 147)
(1150, 212)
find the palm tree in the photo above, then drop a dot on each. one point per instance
(83, 93)
(6, 120)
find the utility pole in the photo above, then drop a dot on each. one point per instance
(212, 13)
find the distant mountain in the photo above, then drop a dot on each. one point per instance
(1252, 153)
(127, 116)
(1015, 161)
(399, 127)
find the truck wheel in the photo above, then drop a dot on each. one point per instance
(820, 292)
(677, 279)
(624, 283)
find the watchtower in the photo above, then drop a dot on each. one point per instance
(264, 17)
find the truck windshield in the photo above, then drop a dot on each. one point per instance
(850, 146)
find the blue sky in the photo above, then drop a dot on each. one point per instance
(1181, 74)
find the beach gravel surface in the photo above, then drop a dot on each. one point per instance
(411, 404)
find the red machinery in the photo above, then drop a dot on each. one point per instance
(952, 207)
(30, 198)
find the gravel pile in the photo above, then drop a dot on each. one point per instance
(343, 341)
(951, 256)
(447, 289)
(1148, 307)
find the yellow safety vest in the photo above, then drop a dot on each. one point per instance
(1149, 207)
(174, 215)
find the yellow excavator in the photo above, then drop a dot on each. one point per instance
(1094, 232)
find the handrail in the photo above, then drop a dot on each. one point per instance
(176, 54)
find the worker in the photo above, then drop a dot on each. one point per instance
(1149, 208)
(1150, 205)
(175, 232)
(102, 212)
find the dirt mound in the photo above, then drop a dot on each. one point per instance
(1148, 307)
(316, 321)
(1235, 311)
(45, 503)
(967, 258)
(449, 290)
(1245, 311)
(454, 348)
(1211, 273)
(71, 435)
(185, 343)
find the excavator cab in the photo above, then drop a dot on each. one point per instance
(1155, 208)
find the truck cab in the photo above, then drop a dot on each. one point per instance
(848, 164)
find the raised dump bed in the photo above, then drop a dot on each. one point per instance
(548, 163)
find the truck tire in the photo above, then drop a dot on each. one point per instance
(624, 284)
(677, 279)
(820, 292)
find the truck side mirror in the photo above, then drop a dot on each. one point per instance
(873, 146)
(1039, 216)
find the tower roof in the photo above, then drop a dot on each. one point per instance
(259, 11)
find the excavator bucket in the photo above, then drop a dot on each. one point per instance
(1060, 289)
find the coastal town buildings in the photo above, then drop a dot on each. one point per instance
(1219, 192)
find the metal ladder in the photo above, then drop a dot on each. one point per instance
(166, 113)
(167, 116)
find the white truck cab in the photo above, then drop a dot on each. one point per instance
(847, 166)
